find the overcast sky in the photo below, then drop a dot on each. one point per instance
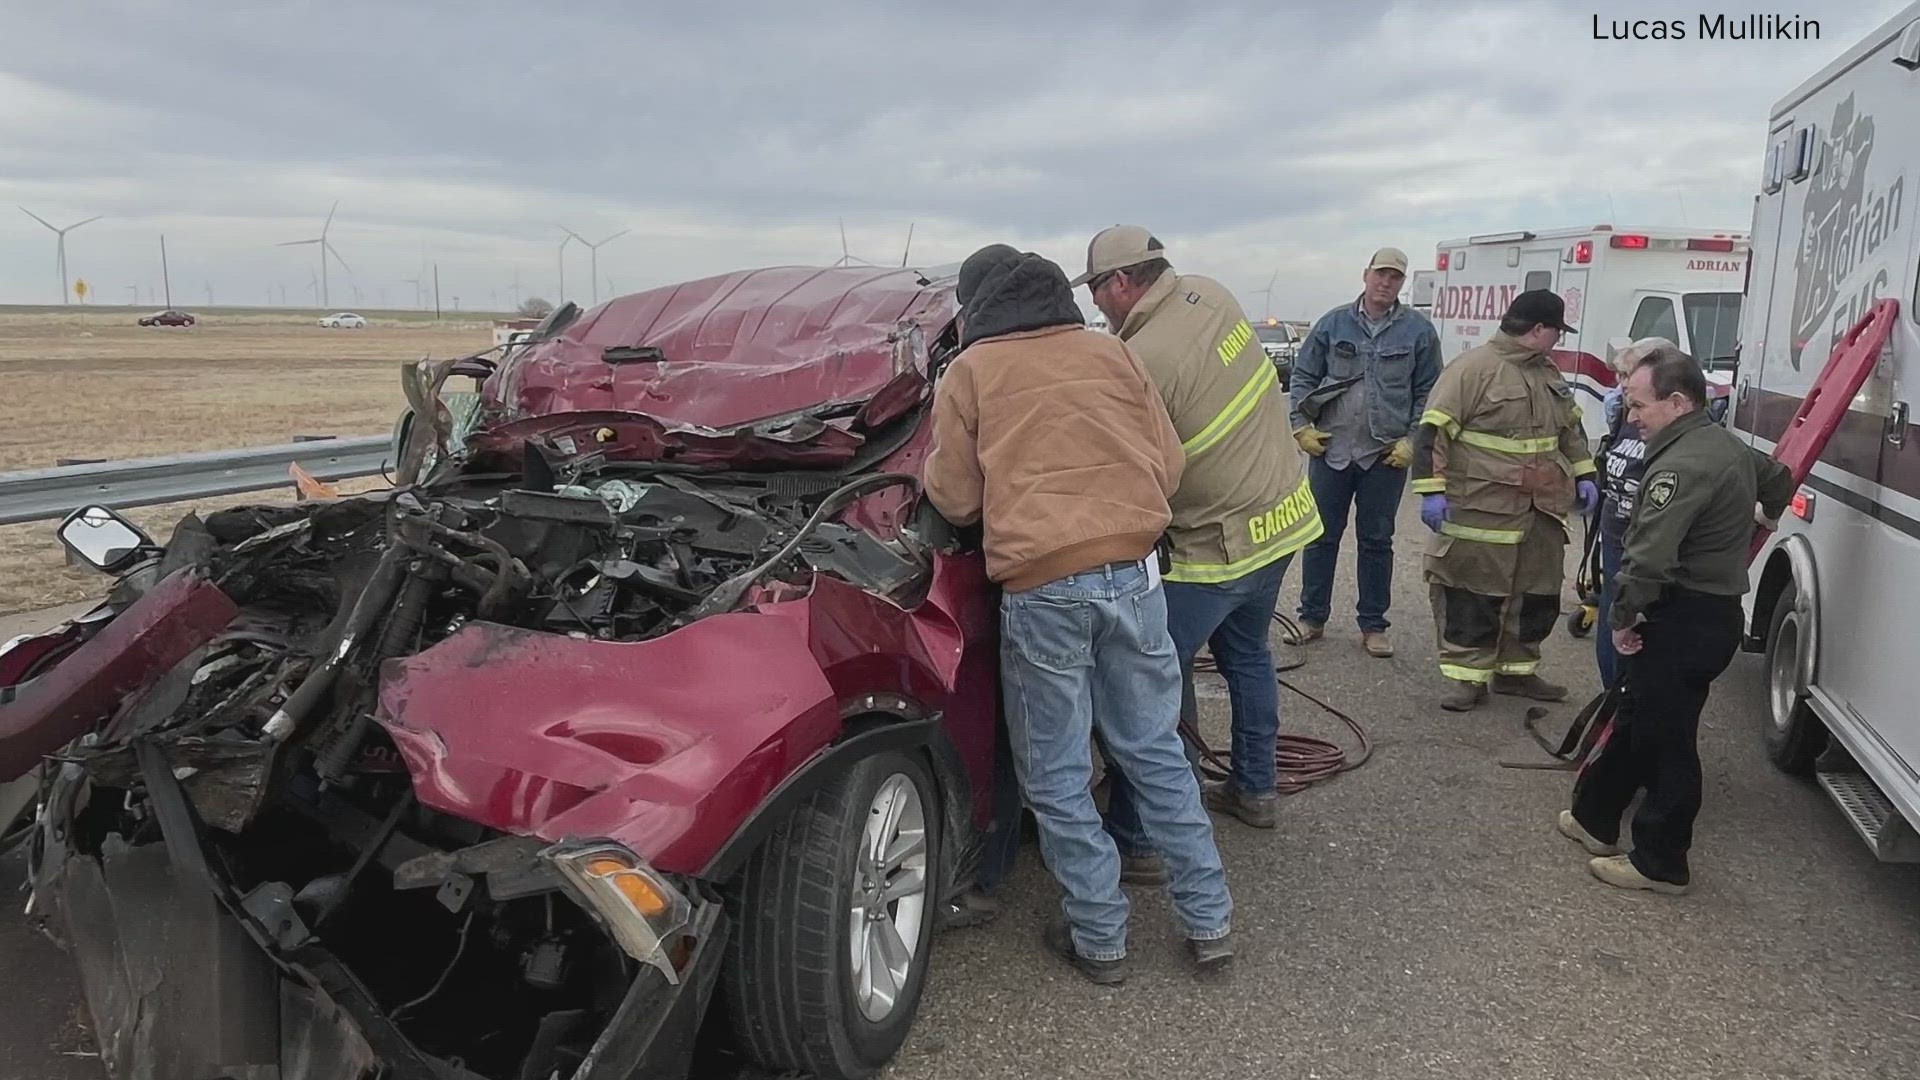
(1271, 137)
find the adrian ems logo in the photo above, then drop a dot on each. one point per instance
(1574, 298)
(1842, 228)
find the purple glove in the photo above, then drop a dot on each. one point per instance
(1588, 494)
(1433, 510)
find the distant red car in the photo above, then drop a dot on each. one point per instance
(168, 317)
(655, 675)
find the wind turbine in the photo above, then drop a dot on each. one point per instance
(1267, 292)
(326, 249)
(595, 248)
(562, 298)
(847, 258)
(60, 245)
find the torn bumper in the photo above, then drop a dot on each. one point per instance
(187, 979)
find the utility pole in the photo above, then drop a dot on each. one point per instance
(436, 292)
(135, 290)
(166, 279)
(209, 294)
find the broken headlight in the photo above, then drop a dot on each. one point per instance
(638, 906)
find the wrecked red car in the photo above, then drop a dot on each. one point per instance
(649, 715)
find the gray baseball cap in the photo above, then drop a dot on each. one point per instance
(1117, 248)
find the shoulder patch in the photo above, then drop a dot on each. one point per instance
(1661, 487)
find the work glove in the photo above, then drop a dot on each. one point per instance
(1312, 440)
(1400, 454)
(1433, 510)
(1761, 519)
(1588, 493)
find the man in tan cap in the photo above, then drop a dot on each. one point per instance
(1358, 387)
(1242, 509)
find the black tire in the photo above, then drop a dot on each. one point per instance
(1577, 622)
(1794, 736)
(789, 979)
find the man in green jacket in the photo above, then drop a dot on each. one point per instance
(1676, 622)
(1242, 509)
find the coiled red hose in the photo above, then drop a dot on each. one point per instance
(1300, 760)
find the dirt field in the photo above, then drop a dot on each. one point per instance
(95, 385)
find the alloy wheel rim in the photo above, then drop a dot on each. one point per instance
(889, 897)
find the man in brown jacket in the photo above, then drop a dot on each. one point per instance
(1052, 436)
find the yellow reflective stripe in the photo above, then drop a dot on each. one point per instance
(1584, 468)
(1485, 536)
(1441, 420)
(1488, 441)
(1237, 410)
(1299, 524)
(1466, 674)
(1430, 485)
(1235, 340)
(1519, 667)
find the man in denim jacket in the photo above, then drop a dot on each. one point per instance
(1358, 388)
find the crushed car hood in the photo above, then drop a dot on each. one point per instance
(802, 356)
(661, 744)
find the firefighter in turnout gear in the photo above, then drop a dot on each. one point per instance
(1243, 507)
(1499, 461)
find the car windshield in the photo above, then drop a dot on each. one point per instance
(1713, 326)
(1274, 335)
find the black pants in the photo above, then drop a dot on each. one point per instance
(1688, 639)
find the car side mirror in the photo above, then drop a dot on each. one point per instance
(104, 540)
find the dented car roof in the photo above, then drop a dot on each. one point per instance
(732, 349)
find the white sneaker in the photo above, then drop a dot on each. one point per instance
(1619, 872)
(1571, 829)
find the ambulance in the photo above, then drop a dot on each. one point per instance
(1619, 283)
(1837, 592)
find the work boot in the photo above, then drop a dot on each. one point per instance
(1059, 938)
(1571, 828)
(1463, 696)
(1306, 633)
(1619, 872)
(1210, 956)
(1529, 686)
(1377, 643)
(1258, 811)
(970, 908)
(1148, 869)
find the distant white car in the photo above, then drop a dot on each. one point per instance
(344, 320)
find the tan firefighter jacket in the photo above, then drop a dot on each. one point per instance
(1243, 501)
(1502, 438)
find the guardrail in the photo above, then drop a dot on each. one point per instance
(39, 494)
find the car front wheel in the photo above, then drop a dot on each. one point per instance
(834, 924)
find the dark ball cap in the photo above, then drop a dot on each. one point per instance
(980, 264)
(1540, 307)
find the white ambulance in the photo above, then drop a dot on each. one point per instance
(1836, 598)
(1619, 284)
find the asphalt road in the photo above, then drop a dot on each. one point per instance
(1416, 918)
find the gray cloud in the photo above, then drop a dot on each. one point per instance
(1253, 139)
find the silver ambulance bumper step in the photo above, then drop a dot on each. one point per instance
(1873, 817)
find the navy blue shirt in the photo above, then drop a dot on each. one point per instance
(1621, 469)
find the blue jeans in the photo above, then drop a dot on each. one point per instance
(1001, 847)
(1232, 619)
(1091, 653)
(1374, 495)
(1610, 551)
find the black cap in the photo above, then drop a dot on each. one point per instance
(994, 258)
(1541, 307)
